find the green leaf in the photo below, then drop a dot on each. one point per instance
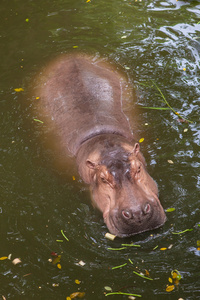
(130, 245)
(120, 293)
(121, 266)
(64, 235)
(36, 120)
(157, 108)
(180, 232)
(117, 249)
(142, 276)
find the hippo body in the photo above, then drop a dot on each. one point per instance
(82, 99)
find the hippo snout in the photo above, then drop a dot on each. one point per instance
(136, 214)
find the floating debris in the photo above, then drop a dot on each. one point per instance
(110, 236)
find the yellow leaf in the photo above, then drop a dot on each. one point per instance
(3, 257)
(141, 140)
(59, 266)
(75, 47)
(19, 90)
(174, 275)
(176, 281)
(146, 272)
(77, 294)
(170, 279)
(163, 249)
(37, 98)
(170, 288)
(198, 248)
(68, 298)
(77, 281)
(88, 1)
(73, 177)
(56, 260)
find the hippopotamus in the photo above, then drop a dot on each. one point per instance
(82, 99)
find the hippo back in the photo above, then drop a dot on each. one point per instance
(82, 99)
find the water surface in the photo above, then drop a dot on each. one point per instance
(155, 42)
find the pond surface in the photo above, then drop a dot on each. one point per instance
(155, 42)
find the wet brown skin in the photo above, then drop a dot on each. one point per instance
(82, 100)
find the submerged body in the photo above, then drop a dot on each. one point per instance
(83, 100)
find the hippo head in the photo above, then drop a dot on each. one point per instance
(124, 191)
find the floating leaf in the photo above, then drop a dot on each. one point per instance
(19, 90)
(3, 258)
(73, 177)
(167, 103)
(68, 298)
(158, 108)
(170, 161)
(56, 260)
(77, 294)
(120, 293)
(124, 37)
(180, 232)
(170, 209)
(130, 261)
(155, 247)
(59, 266)
(81, 263)
(9, 256)
(141, 275)
(176, 274)
(170, 246)
(163, 249)
(170, 288)
(108, 288)
(36, 120)
(198, 243)
(37, 98)
(16, 261)
(146, 272)
(117, 249)
(170, 279)
(117, 267)
(141, 140)
(77, 281)
(27, 20)
(64, 235)
(131, 245)
(75, 47)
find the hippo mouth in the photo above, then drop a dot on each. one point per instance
(121, 229)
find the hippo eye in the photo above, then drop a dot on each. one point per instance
(139, 169)
(104, 180)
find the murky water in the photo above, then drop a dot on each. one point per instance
(156, 42)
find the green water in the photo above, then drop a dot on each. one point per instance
(153, 41)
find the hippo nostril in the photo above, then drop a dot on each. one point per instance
(126, 214)
(147, 209)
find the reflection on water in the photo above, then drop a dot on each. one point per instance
(157, 41)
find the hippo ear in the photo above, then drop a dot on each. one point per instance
(92, 165)
(136, 149)
(137, 152)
